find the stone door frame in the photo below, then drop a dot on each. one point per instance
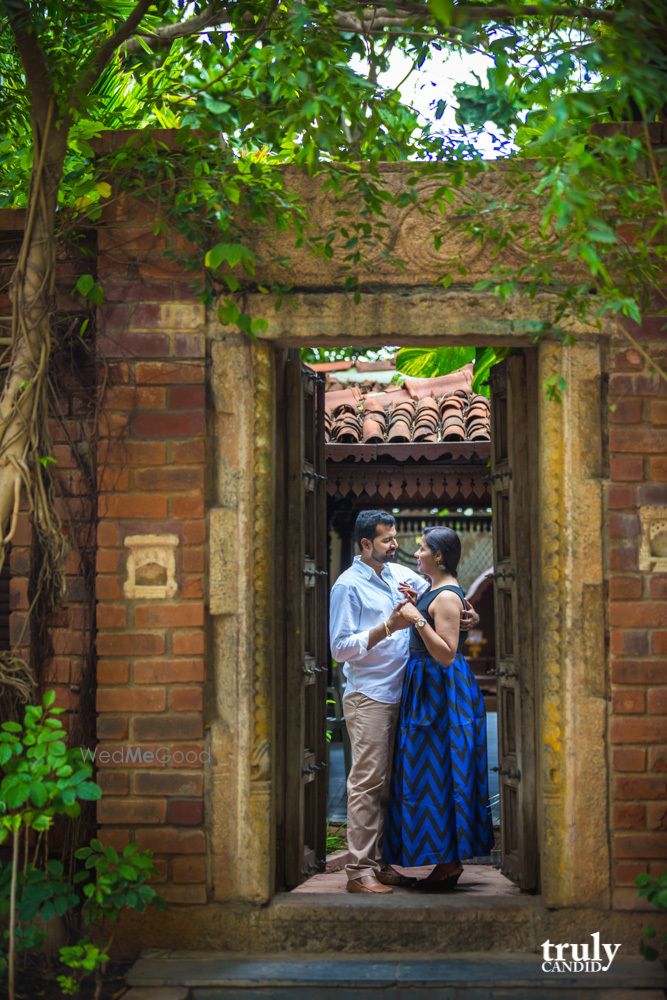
(571, 660)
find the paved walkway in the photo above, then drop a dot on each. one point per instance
(477, 880)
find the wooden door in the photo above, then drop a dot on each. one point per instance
(306, 642)
(512, 452)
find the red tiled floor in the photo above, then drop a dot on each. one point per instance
(477, 880)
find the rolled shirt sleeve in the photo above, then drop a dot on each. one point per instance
(348, 644)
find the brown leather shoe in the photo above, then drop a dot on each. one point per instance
(389, 876)
(367, 883)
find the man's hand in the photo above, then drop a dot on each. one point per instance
(396, 621)
(409, 613)
(469, 617)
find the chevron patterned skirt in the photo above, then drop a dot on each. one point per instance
(439, 797)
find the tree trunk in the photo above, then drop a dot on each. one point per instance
(23, 404)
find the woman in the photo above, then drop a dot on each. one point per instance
(438, 806)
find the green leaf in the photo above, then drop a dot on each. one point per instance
(420, 362)
(443, 10)
(49, 698)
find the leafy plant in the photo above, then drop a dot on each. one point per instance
(654, 889)
(420, 362)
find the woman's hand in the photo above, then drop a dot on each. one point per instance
(410, 613)
(408, 591)
(469, 617)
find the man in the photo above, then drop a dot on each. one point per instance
(368, 635)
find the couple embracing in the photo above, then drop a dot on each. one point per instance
(417, 792)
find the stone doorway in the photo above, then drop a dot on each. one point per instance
(516, 761)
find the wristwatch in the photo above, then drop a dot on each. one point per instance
(420, 622)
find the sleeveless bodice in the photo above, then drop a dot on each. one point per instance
(417, 644)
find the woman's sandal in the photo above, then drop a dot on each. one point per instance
(445, 884)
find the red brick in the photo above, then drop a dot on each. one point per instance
(133, 506)
(629, 643)
(189, 345)
(623, 557)
(185, 812)
(656, 818)
(131, 811)
(169, 425)
(108, 534)
(628, 701)
(629, 759)
(188, 895)
(657, 759)
(640, 788)
(659, 643)
(639, 672)
(171, 479)
(193, 587)
(169, 671)
(108, 588)
(188, 870)
(130, 644)
(659, 411)
(134, 453)
(169, 840)
(187, 397)
(119, 397)
(112, 727)
(133, 345)
(657, 701)
(169, 373)
(111, 616)
(187, 507)
(151, 397)
(113, 782)
(113, 671)
(116, 838)
(169, 615)
(625, 588)
(620, 496)
(193, 532)
(622, 525)
(627, 468)
(627, 871)
(167, 783)
(645, 845)
(625, 411)
(629, 816)
(637, 730)
(186, 699)
(189, 452)
(108, 560)
(658, 469)
(657, 586)
(163, 871)
(636, 614)
(193, 559)
(131, 700)
(167, 727)
(59, 670)
(636, 385)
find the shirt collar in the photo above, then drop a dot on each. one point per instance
(370, 573)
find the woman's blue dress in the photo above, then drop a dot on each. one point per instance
(439, 798)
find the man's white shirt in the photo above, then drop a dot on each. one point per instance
(360, 600)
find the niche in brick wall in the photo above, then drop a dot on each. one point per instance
(151, 566)
(653, 550)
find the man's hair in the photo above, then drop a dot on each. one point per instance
(367, 521)
(447, 543)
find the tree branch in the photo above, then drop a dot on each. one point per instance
(105, 52)
(375, 15)
(213, 15)
(32, 56)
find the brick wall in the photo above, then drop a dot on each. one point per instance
(152, 481)
(637, 616)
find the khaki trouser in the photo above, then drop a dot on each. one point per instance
(371, 726)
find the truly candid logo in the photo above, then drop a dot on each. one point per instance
(578, 957)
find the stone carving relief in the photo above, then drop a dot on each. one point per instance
(653, 548)
(151, 566)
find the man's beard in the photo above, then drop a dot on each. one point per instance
(377, 557)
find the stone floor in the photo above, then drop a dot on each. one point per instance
(477, 880)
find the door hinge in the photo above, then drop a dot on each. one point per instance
(507, 772)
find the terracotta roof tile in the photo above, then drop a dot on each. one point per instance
(423, 411)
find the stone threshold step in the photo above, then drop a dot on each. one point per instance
(484, 971)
